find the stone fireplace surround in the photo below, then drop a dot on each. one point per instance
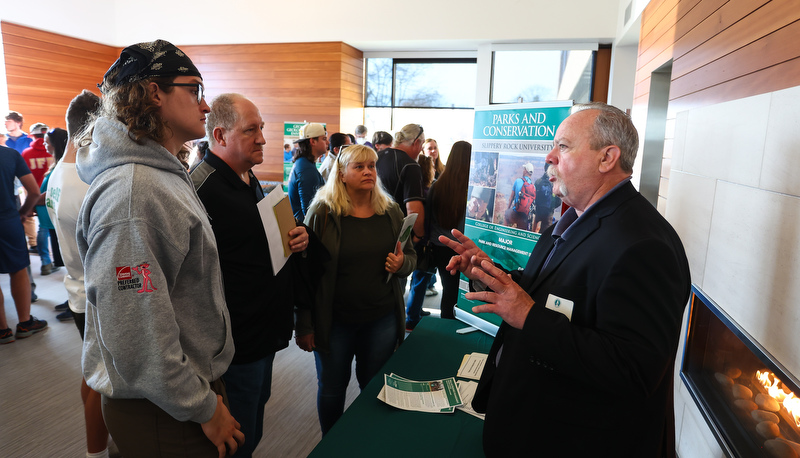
(734, 198)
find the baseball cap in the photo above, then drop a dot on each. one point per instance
(311, 130)
(39, 128)
(528, 167)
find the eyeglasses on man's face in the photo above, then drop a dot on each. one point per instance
(198, 89)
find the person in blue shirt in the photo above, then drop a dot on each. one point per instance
(305, 179)
(14, 258)
(16, 138)
(519, 203)
(287, 152)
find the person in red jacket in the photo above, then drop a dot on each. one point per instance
(36, 156)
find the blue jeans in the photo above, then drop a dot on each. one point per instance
(43, 245)
(249, 386)
(372, 344)
(419, 283)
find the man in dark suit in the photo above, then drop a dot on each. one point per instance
(583, 362)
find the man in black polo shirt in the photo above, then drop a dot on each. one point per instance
(401, 176)
(260, 303)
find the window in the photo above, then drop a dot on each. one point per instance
(421, 83)
(542, 76)
(437, 93)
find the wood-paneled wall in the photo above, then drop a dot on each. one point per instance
(46, 70)
(317, 82)
(721, 50)
(296, 82)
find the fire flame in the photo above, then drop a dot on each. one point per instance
(790, 402)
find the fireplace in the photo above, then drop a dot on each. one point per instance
(747, 397)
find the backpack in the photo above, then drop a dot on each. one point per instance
(526, 197)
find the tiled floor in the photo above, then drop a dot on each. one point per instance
(40, 406)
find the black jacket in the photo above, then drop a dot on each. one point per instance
(600, 384)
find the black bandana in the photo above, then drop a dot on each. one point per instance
(148, 60)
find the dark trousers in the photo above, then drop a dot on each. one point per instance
(140, 428)
(249, 387)
(371, 344)
(442, 255)
(57, 260)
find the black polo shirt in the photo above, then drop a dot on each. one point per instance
(259, 303)
(400, 176)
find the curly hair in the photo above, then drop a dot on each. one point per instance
(133, 106)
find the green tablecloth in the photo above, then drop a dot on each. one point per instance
(371, 428)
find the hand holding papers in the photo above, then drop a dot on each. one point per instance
(405, 233)
(277, 218)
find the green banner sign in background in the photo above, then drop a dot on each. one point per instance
(508, 164)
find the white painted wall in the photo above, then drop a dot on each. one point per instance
(623, 76)
(735, 201)
(423, 24)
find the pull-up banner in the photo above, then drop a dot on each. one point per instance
(510, 199)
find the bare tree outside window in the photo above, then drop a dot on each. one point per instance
(420, 84)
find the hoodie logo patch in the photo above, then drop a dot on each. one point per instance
(142, 282)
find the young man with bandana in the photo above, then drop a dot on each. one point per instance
(157, 335)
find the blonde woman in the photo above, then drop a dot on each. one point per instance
(357, 312)
(431, 149)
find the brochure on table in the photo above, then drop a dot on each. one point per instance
(436, 396)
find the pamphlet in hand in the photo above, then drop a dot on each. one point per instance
(434, 396)
(405, 233)
(276, 216)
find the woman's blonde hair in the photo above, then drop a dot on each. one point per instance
(438, 165)
(334, 193)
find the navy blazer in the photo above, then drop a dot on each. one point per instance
(599, 384)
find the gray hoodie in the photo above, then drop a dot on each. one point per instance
(156, 322)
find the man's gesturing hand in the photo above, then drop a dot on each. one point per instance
(506, 299)
(468, 256)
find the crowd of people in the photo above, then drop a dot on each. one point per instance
(171, 287)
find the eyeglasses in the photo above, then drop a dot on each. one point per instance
(420, 133)
(197, 86)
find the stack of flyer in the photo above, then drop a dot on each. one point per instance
(471, 368)
(436, 396)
